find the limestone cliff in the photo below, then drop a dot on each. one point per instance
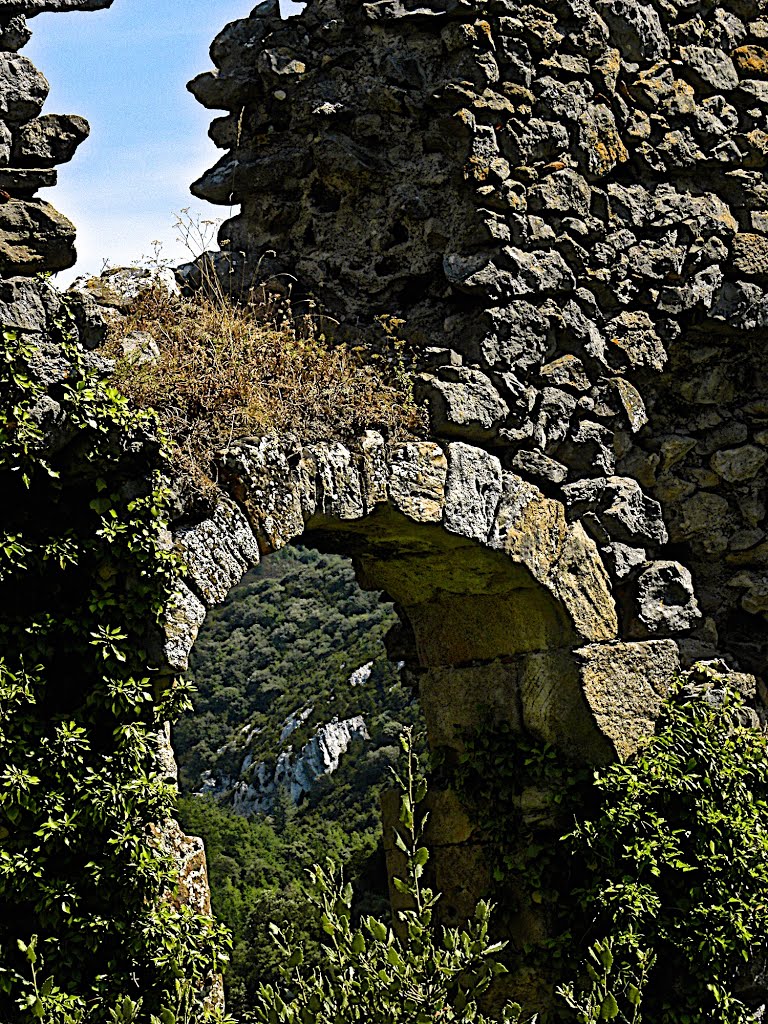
(258, 785)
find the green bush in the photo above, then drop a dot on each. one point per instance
(657, 898)
(678, 855)
(84, 573)
(370, 973)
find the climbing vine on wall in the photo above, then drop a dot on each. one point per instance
(85, 569)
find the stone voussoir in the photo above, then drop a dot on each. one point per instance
(218, 551)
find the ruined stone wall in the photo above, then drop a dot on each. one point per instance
(33, 235)
(565, 203)
(565, 207)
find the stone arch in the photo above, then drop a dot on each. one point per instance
(508, 603)
(565, 204)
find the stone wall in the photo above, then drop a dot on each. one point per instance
(33, 235)
(565, 204)
(562, 210)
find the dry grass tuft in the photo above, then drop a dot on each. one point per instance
(226, 371)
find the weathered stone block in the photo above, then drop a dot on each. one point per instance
(14, 32)
(417, 477)
(23, 182)
(662, 602)
(710, 68)
(218, 552)
(23, 89)
(275, 512)
(463, 403)
(624, 685)
(617, 510)
(472, 491)
(581, 584)
(737, 465)
(34, 237)
(49, 140)
(22, 305)
(338, 488)
(374, 469)
(184, 615)
(636, 28)
(33, 7)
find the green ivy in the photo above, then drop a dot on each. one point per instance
(85, 574)
(524, 795)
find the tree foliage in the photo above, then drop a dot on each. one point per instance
(678, 854)
(653, 873)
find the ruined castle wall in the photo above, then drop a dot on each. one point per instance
(561, 208)
(565, 204)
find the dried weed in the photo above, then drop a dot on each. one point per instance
(227, 371)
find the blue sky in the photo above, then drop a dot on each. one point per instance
(125, 69)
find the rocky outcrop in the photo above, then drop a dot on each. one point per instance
(565, 204)
(259, 784)
(256, 785)
(33, 7)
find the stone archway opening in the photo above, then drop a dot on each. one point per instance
(297, 652)
(484, 567)
(504, 605)
(296, 725)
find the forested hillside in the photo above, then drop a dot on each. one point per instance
(296, 645)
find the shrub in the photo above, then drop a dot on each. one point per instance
(371, 974)
(657, 899)
(679, 857)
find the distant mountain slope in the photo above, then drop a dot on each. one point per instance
(296, 722)
(296, 646)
